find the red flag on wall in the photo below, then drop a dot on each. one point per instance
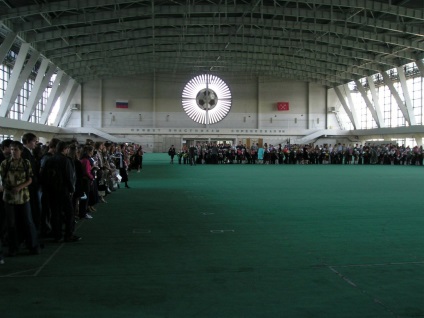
(283, 106)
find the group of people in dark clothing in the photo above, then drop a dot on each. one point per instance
(367, 154)
(213, 153)
(45, 189)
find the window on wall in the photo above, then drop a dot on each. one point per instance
(415, 86)
(417, 97)
(21, 102)
(39, 109)
(388, 107)
(55, 109)
(4, 79)
(343, 120)
(407, 142)
(392, 113)
(366, 120)
(399, 118)
(3, 137)
(36, 115)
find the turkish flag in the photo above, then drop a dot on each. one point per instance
(283, 106)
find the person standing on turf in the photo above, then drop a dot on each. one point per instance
(16, 176)
(171, 153)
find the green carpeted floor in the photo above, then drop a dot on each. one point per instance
(236, 241)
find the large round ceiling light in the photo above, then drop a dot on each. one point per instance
(206, 99)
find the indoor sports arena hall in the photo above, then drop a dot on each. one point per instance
(215, 158)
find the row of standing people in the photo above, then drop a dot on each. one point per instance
(46, 188)
(388, 154)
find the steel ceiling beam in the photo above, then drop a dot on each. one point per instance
(337, 40)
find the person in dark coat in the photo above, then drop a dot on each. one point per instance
(30, 141)
(171, 153)
(61, 191)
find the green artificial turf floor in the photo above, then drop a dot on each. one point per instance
(236, 241)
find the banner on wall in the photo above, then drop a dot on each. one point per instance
(121, 104)
(282, 106)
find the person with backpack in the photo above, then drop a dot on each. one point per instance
(16, 175)
(59, 182)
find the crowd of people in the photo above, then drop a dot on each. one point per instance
(367, 154)
(47, 188)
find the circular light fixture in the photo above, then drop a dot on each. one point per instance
(206, 99)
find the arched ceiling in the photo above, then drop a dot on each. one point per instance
(330, 42)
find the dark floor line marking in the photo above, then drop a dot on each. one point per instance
(48, 260)
(350, 282)
(53, 255)
(347, 280)
(379, 264)
(17, 274)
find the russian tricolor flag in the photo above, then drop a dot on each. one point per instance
(121, 104)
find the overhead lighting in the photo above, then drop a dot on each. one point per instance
(206, 99)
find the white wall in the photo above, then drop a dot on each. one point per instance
(317, 102)
(333, 101)
(155, 101)
(138, 92)
(272, 91)
(75, 118)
